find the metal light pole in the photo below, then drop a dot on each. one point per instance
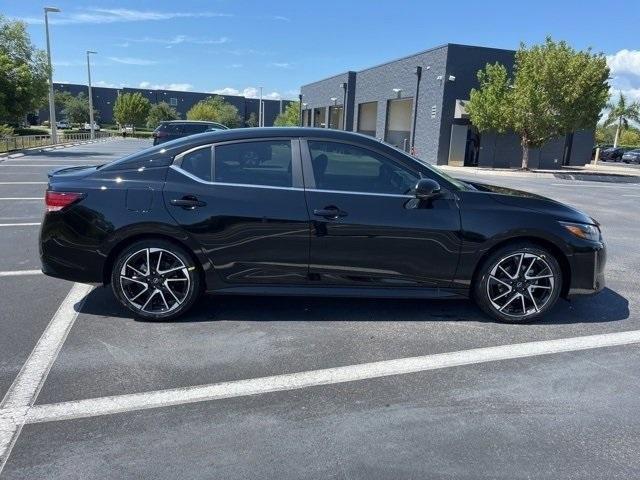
(344, 105)
(89, 52)
(415, 109)
(300, 113)
(260, 114)
(52, 101)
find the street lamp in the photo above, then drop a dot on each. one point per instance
(300, 113)
(344, 105)
(89, 52)
(260, 112)
(52, 101)
(418, 73)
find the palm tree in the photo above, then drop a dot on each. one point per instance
(620, 114)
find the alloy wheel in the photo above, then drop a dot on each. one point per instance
(154, 280)
(520, 284)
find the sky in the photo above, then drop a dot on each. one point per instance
(235, 47)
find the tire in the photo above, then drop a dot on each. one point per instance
(523, 297)
(170, 288)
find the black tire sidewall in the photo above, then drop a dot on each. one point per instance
(181, 253)
(480, 287)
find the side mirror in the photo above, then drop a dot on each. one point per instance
(426, 189)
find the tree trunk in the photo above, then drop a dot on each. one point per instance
(615, 140)
(525, 153)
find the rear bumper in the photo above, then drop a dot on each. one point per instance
(587, 271)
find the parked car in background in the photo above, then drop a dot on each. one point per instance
(632, 156)
(87, 127)
(127, 129)
(309, 211)
(63, 124)
(172, 129)
(611, 154)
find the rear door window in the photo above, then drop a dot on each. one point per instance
(265, 163)
(198, 163)
(192, 128)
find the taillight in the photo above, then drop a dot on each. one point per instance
(58, 200)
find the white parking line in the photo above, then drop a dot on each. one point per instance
(23, 183)
(587, 184)
(21, 198)
(329, 376)
(40, 164)
(25, 388)
(20, 273)
(33, 224)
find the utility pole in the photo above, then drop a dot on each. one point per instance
(89, 52)
(52, 101)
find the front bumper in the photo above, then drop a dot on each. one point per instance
(587, 270)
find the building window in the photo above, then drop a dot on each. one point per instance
(173, 101)
(319, 117)
(398, 128)
(335, 117)
(367, 118)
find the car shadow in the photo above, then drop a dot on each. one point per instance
(608, 306)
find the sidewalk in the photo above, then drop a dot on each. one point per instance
(602, 172)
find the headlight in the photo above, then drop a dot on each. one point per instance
(583, 230)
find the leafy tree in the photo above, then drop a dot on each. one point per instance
(554, 90)
(76, 109)
(215, 109)
(290, 117)
(23, 72)
(604, 135)
(630, 137)
(131, 109)
(160, 112)
(252, 121)
(619, 115)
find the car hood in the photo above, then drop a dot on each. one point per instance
(533, 202)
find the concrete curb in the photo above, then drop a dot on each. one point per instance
(587, 176)
(48, 148)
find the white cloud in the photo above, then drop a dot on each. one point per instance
(625, 74)
(178, 39)
(114, 15)
(123, 44)
(280, 64)
(281, 18)
(102, 83)
(180, 87)
(132, 61)
(235, 65)
(248, 92)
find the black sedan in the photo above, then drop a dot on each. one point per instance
(611, 154)
(173, 129)
(302, 211)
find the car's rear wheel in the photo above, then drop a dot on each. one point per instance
(155, 279)
(518, 283)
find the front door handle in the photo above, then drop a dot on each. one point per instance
(188, 202)
(329, 212)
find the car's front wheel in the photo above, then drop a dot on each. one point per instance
(518, 283)
(155, 279)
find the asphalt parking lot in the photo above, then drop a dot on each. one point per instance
(569, 414)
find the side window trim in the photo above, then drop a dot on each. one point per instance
(177, 160)
(309, 179)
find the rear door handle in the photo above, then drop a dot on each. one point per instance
(329, 212)
(188, 202)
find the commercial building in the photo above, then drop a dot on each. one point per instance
(418, 103)
(104, 99)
